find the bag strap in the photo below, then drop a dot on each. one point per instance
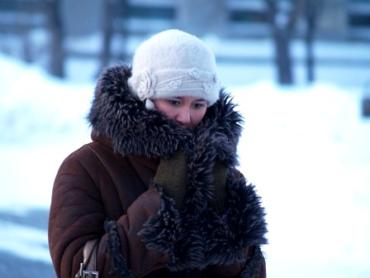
(88, 265)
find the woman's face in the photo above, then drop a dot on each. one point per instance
(187, 111)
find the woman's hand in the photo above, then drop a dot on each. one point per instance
(171, 175)
(220, 173)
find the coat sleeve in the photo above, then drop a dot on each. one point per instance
(77, 215)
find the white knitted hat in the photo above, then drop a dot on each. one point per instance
(173, 63)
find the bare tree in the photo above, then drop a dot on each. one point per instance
(366, 100)
(310, 16)
(56, 66)
(106, 53)
(283, 15)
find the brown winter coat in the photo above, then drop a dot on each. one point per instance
(104, 191)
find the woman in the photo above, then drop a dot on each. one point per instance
(157, 188)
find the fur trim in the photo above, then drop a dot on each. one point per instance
(118, 262)
(196, 235)
(241, 224)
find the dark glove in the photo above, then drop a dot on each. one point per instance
(220, 173)
(171, 175)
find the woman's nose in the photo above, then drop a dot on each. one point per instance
(184, 117)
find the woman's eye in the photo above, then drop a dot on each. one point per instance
(174, 102)
(199, 105)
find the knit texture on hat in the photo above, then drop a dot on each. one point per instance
(174, 63)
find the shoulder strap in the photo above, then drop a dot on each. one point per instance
(88, 265)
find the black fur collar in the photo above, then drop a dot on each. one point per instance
(120, 116)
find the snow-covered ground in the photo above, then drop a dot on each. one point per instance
(308, 152)
(306, 148)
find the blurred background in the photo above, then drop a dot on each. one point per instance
(298, 69)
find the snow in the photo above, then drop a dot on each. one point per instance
(38, 114)
(26, 242)
(305, 148)
(307, 152)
